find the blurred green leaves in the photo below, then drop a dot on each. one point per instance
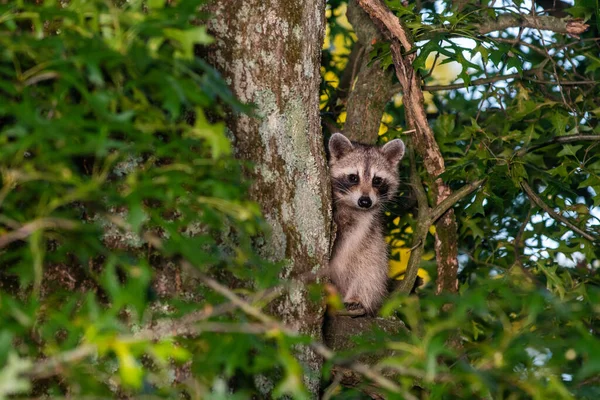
(114, 165)
(11, 383)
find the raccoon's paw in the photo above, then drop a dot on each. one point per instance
(354, 308)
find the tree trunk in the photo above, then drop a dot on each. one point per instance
(371, 89)
(269, 52)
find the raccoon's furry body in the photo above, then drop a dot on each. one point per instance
(363, 179)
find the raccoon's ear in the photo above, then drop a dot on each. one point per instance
(339, 145)
(394, 151)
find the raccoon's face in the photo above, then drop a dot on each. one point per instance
(363, 177)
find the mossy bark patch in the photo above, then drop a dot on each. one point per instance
(269, 52)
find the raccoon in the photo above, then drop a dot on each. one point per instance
(363, 179)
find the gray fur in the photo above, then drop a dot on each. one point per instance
(359, 262)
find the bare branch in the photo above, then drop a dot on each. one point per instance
(564, 83)
(39, 224)
(558, 140)
(519, 42)
(51, 366)
(55, 364)
(185, 325)
(518, 242)
(423, 224)
(476, 82)
(492, 79)
(573, 27)
(558, 217)
(44, 76)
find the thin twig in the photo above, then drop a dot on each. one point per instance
(168, 327)
(517, 247)
(558, 140)
(538, 201)
(41, 77)
(51, 366)
(573, 27)
(39, 224)
(521, 43)
(485, 81)
(435, 59)
(162, 329)
(477, 82)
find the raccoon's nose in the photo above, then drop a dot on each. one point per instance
(365, 202)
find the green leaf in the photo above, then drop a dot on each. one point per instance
(187, 39)
(130, 370)
(445, 124)
(214, 134)
(12, 381)
(569, 150)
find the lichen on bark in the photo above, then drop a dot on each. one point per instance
(269, 52)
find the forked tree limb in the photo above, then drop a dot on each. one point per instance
(426, 217)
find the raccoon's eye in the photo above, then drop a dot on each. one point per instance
(353, 178)
(377, 181)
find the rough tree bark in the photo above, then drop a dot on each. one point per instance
(269, 52)
(369, 92)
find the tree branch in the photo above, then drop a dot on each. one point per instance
(558, 217)
(51, 366)
(379, 12)
(423, 224)
(476, 82)
(39, 224)
(573, 27)
(517, 248)
(519, 42)
(484, 81)
(564, 83)
(454, 198)
(558, 140)
(426, 218)
(162, 329)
